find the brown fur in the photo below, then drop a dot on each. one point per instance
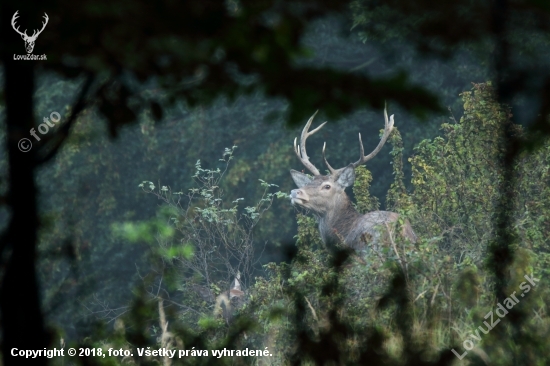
(227, 302)
(338, 219)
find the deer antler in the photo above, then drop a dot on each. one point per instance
(24, 34)
(300, 150)
(43, 26)
(388, 127)
(13, 19)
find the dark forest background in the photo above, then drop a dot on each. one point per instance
(100, 243)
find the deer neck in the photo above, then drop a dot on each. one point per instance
(337, 223)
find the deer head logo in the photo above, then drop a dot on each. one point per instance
(29, 40)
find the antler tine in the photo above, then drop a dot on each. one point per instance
(306, 134)
(14, 18)
(305, 160)
(45, 22)
(300, 150)
(331, 169)
(388, 127)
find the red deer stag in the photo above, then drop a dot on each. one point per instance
(325, 196)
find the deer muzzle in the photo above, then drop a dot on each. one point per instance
(297, 196)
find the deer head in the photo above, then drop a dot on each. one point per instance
(321, 193)
(29, 40)
(227, 302)
(325, 196)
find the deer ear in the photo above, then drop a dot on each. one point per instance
(300, 179)
(346, 177)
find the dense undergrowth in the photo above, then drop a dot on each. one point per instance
(429, 302)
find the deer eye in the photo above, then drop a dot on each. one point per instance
(327, 186)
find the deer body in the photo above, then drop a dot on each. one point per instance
(325, 197)
(227, 302)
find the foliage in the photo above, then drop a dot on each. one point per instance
(130, 66)
(93, 176)
(200, 52)
(409, 303)
(365, 202)
(397, 198)
(439, 288)
(214, 242)
(513, 36)
(200, 241)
